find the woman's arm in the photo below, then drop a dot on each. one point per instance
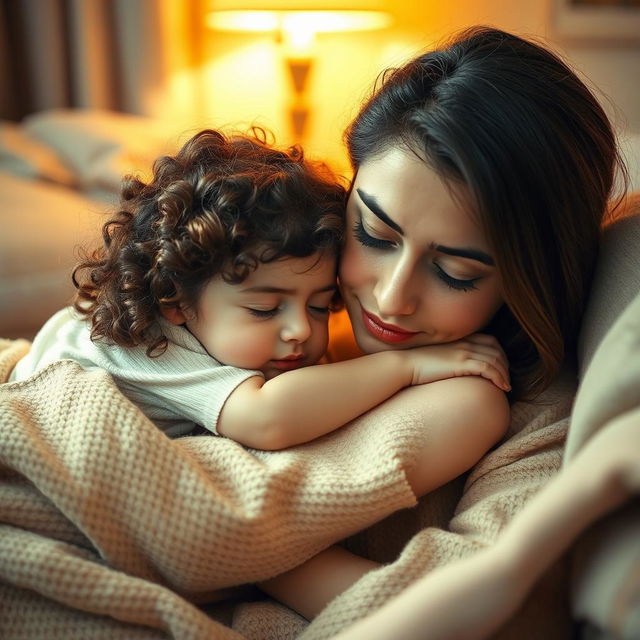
(493, 583)
(462, 419)
(301, 405)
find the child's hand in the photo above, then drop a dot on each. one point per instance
(476, 355)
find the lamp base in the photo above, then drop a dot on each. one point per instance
(299, 70)
(299, 116)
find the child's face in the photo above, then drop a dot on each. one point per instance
(274, 321)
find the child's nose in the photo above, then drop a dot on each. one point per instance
(297, 327)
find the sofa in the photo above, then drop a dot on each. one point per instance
(605, 592)
(60, 173)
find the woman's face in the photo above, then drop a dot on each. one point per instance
(416, 268)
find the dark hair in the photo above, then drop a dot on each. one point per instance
(221, 206)
(513, 123)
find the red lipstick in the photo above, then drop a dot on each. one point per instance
(385, 332)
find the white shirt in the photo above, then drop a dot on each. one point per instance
(182, 388)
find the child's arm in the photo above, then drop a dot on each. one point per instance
(301, 405)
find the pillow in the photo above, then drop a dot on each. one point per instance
(616, 280)
(606, 590)
(24, 156)
(100, 146)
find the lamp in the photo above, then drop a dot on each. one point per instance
(295, 25)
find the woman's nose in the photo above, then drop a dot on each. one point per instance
(395, 291)
(296, 327)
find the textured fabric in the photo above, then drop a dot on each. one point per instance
(181, 388)
(606, 582)
(616, 281)
(267, 620)
(611, 385)
(111, 529)
(497, 488)
(25, 156)
(610, 333)
(101, 146)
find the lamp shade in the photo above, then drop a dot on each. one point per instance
(295, 24)
(298, 5)
(289, 15)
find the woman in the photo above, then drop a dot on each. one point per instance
(482, 174)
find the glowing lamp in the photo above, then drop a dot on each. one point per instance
(295, 25)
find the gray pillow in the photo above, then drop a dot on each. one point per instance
(606, 586)
(616, 281)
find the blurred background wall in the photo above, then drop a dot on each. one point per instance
(159, 58)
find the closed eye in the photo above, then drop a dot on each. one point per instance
(455, 283)
(321, 310)
(263, 313)
(368, 240)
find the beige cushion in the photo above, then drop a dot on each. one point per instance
(24, 156)
(100, 146)
(616, 281)
(606, 590)
(606, 580)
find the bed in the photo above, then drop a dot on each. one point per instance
(60, 172)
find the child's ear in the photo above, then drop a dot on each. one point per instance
(173, 314)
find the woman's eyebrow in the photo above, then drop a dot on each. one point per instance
(466, 252)
(460, 252)
(377, 210)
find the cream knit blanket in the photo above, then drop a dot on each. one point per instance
(108, 529)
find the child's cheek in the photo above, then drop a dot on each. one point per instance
(244, 348)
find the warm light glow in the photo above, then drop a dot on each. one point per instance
(309, 21)
(295, 25)
(243, 20)
(298, 37)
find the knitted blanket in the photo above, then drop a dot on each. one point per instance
(108, 529)
(413, 542)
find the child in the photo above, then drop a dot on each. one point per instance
(209, 300)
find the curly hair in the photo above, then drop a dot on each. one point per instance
(220, 207)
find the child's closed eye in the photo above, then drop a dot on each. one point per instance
(320, 310)
(263, 313)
